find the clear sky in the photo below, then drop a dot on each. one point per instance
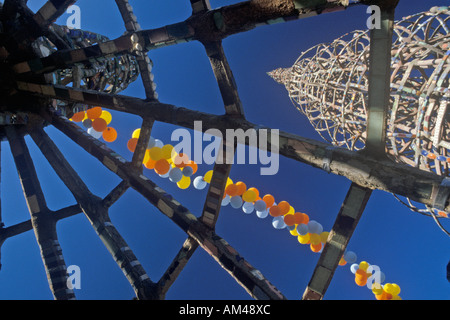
(409, 248)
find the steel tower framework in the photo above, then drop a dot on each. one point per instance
(29, 89)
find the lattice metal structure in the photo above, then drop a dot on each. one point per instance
(33, 97)
(329, 83)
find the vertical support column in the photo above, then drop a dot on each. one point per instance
(340, 235)
(44, 225)
(379, 83)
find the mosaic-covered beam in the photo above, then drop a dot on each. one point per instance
(366, 171)
(42, 221)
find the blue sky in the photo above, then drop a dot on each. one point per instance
(409, 248)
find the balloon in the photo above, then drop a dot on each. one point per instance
(377, 289)
(166, 151)
(354, 267)
(225, 201)
(278, 223)
(249, 196)
(184, 182)
(275, 211)
(350, 256)
(391, 288)
(289, 219)
(248, 207)
(262, 214)
(208, 175)
(188, 171)
(324, 238)
(199, 183)
(87, 123)
(342, 262)
(94, 113)
(162, 167)
(192, 165)
(131, 144)
(294, 232)
(175, 174)
(110, 134)
(99, 124)
(106, 116)
(315, 227)
(361, 277)
(150, 164)
(260, 205)
(166, 175)
(256, 191)
(155, 153)
(303, 239)
(236, 202)
(315, 247)
(269, 200)
(79, 116)
(136, 133)
(314, 238)
(94, 133)
(159, 143)
(241, 188)
(363, 265)
(284, 207)
(302, 229)
(231, 190)
(382, 276)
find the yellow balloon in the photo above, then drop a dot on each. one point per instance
(249, 196)
(395, 289)
(136, 133)
(324, 236)
(208, 175)
(291, 210)
(229, 181)
(396, 297)
(167, 151)
(146, 156)
(184, 182)
(106, 116)
(303, 239)
(294, 232)
(363, 265)
(155, 153)
(314, 238)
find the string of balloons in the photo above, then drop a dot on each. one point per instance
(166, 162)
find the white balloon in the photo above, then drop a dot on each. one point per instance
(278, 223)
(166, 175)
(151, 143)
(315, 227)
(158, 143)
(262, 214)
(199, 183)
(302, 229)
(94, 133)
(236, 202)
(226, 200)
(175, 174)
(248, 207)
(354, 267)
(260, 205)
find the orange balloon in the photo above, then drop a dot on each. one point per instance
(361, 277)
(305, 218)
(99, 124)
(94, 113)
(181, 160)
(342, 262)
(150, 164)
(256, 191)
(289, 219)
(110, 134)
(284, 207)
(269, 200)
(77, 117)
(131, 145)
(231, 190)
(162, 166)
(275, 211)
(242, 187)
(298, 218)
(316, 247)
